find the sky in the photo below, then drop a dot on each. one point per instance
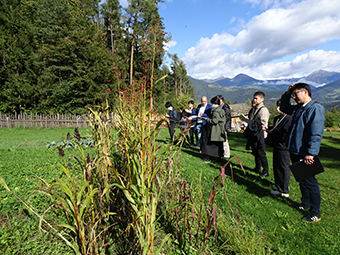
(265, 39)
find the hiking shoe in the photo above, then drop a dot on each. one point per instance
(310, 218)
(263, 175)
(206, 160)
(278, 193)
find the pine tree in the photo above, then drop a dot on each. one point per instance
(139, 16)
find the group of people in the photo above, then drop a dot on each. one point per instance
(208, 124)
(295, 136)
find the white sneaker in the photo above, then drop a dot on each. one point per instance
(277, 193)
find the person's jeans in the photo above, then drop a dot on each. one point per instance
(193, 133)
(202, 134)
(199, 134)
(310, 190)
(172, 126)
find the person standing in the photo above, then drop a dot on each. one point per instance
(174, 117)
(304, 141)
(203, 111)
(213, 145)
(192, 111)
(281, 157)
(226, 108)
(257, 123)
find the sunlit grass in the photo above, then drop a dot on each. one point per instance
(267, 219)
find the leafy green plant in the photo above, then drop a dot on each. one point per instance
(70, 142)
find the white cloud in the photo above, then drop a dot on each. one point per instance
(313, 60)
(170, 44)
(272, 35)
(271, 3)
(124, 3)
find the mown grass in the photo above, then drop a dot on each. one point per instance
(275, 221)
(23, 154)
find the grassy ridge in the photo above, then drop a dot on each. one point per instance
(277, 223)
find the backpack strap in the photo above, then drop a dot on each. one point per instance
(257, 112)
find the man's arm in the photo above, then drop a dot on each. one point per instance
(316, 120)
(285, 106)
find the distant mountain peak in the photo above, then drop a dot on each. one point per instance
(243, 77)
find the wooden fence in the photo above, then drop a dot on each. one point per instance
(53, 120)
(39, 120)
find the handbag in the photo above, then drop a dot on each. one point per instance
(270, 139)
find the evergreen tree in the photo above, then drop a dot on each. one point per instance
(181, 80)
(15, 50)
(140, 16)
(61, 56)
(116, 41)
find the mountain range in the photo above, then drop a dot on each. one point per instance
(325, 87)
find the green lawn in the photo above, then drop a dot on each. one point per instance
(276, 218)
(23, 154)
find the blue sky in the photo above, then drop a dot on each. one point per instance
(261, 38)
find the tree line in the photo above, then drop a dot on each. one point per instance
(67, 55)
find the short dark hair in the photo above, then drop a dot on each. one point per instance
(191, 102)
(220, 97)
(301, 85)
(215, 100)
(168, 104)
(260, 94)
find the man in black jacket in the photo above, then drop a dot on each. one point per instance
(192, 111)
(226, 108)
(174, 117)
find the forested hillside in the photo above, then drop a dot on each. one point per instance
(67, 55)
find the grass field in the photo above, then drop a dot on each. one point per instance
(23, 154)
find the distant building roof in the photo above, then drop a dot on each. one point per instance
(237, 109)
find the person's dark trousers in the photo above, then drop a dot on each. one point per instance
(310, 191)
(260, 159)
(193, 133)
(281, 162)
(204, 135)
(172, 126)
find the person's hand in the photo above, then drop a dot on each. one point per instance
(167, 116)
(289, 91)
(200, 114)
(309, 159)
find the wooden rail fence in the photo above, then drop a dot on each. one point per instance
(39, 120)
(25, 120)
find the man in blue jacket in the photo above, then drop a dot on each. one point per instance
(203, 111)
(304, 141)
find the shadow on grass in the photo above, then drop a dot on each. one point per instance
(329, 152)
(253, 183)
